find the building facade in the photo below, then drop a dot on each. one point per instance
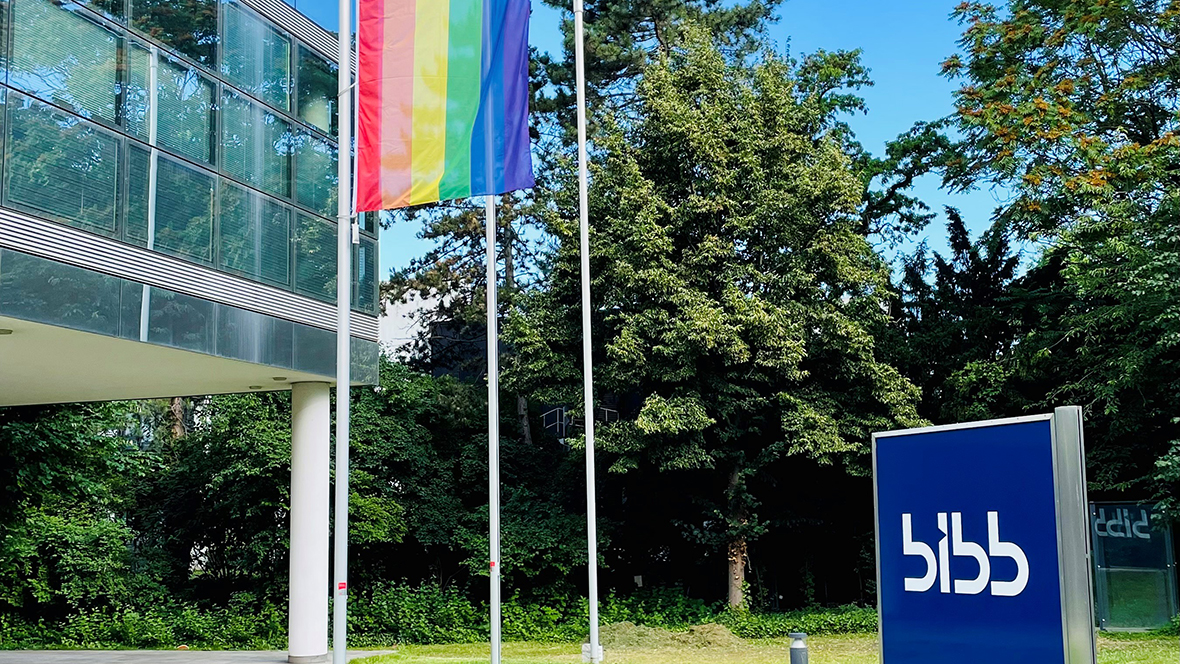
(168, 192)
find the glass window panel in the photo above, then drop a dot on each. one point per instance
(189, 26)
(113, 9)
(368, 221)
(256, 56)
(255, 235)
(256, 145)
(60, 166)
(317, 90)
(181, 321)
(315, 258)
(183, 215)
(45, 291)
(364, 276)
(184, 103)
(62, 56)
(315, 168)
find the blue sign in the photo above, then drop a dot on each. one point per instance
(970, 547)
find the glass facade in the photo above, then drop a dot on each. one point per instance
(45, 291)
(194, 128)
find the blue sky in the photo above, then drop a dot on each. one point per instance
(903, 44)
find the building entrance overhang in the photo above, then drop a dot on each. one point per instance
(42, 364)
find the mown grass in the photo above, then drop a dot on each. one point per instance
(823, 650)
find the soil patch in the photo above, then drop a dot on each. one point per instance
(630, 635)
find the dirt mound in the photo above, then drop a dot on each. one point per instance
(630, 635)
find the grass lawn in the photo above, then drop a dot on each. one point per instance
(823, 650)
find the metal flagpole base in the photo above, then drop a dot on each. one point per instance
(307, 659)
(587, 653)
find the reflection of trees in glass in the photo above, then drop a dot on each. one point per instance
(189, 26)
(185, 101)
(256, 56)
(317, 91)
(254, 235)
(315, 258)
(60, 166)
(41, 290)
(62, 56)
(316, 174)
(364, 276)
(256, 145)
(181, 321)
(184, 206)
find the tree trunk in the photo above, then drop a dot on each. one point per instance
(522, 410)
(179, 429)
(737, 572)
(736, 554)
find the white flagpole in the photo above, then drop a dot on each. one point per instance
(344, 235)
(493, 428)
(587, 348)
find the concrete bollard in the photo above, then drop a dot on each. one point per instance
(798, 648)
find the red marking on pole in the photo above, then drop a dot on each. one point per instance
(342, 586)
(493, 563)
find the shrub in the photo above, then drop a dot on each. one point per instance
(842, 620)
(242, 625)
(391, 614)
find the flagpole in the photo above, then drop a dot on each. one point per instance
(344, 236)
(587, 348)
(493, 428)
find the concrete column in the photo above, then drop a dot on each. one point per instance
(307, 635)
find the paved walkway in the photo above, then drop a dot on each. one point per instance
(155, 656)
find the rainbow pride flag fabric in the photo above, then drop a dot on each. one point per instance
(443, 92)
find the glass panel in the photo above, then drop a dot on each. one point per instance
(315, 258)
(184, 102)
(44, 291)
(255, 235)
(183, 215)
(60, 166)
(257, 145)
(189, 26)
(36, 289)
(256, 56)
(1139, 599)
(364, 276)
(368, 221)
(317, 90)
(181, 321)
(62, 56)
(315, 168)
(315, 350)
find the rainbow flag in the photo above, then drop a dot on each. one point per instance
(443, 94)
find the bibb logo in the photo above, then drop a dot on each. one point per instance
(952, 544)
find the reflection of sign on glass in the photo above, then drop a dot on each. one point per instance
(1121, 525)
(1134, 576)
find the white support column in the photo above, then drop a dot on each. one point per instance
(307, 635)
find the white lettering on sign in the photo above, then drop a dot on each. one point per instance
(952, 544)
(1120, 525)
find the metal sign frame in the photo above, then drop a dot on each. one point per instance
(1073, 527)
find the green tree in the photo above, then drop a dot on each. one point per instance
(737, 302)
(67, 475)
(959, 330)
(1074, 107)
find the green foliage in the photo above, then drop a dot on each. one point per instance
(1073, 107)
(65, 473)
(393, 614)
(244, 624)
(813, 622)
(739, 301)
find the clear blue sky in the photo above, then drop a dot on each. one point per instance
(903, 44)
